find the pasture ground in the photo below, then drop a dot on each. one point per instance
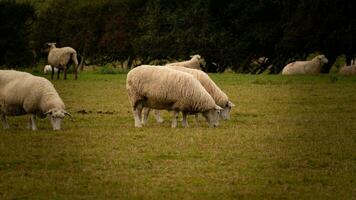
(289, 138)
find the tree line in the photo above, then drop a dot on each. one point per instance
(227, 33)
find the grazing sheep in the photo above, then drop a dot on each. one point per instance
(194, 63)
(216, 93)
(48, 68)
(163, 88)
(22, 93)
(305, 67)
(60, 57)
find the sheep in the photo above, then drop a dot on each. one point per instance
(194, 63)
(348, 70)
(22, 93)
(216, 93)
(48, 68)
(305, 67)
(60, 57)
(163, 88)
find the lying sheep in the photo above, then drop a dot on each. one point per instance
(216, 93)
(60, 57)
(194, 63)
(48, 68)
(305, 67)
(348, 70)
(163, 88)
(22, 93)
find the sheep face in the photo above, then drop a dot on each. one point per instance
(322, 59)
(212, 116)
(56, 116)
(225, 112)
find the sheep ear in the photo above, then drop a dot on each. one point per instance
(67, 113)
(217, 107)
(230, 104)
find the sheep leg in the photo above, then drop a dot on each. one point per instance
(4, 122)
(59, 71)
(146, 112)
(52, 73)
(137, 111)
(32, 124)
(158, 117)
(65, 73)
(175, 119)
(184, 121)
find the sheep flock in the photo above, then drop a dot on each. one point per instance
(179, 87)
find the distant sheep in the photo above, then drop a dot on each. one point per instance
(305, 67)
(48, 69)
(22, 93)
(162, 88)
(216, 93)
(60, 57)
(348, 70)
(194, 63)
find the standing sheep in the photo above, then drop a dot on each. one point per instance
(60, 57)
(216, 93)
(22, 93)
(48, 68)
(194, 63)
(305, 67)
(163, 88)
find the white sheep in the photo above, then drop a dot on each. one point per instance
(216, 93)
(162, 88)
(348, 70)
(22, 93)
(305, 67)
(60, 57)
(48, 69)
(194, 63)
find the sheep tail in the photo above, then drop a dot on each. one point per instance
(81, 62)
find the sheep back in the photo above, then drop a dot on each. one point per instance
(218, 95)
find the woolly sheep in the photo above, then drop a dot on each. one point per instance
(216, 93)
(348, 70)
(48, 68)
(163, 88)
(194, 63)
(60, 57)
(22, 93)
(305, 67)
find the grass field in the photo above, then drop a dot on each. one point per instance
(289, 138)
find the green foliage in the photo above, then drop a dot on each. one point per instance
(227, 33)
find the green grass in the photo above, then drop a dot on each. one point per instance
(290, 137)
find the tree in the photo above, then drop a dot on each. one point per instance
(16, 21)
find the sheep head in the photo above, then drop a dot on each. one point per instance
(201, 60)
(212, 116)
(56, 116)
(322, 59)
(48, 46)
(225, 112)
